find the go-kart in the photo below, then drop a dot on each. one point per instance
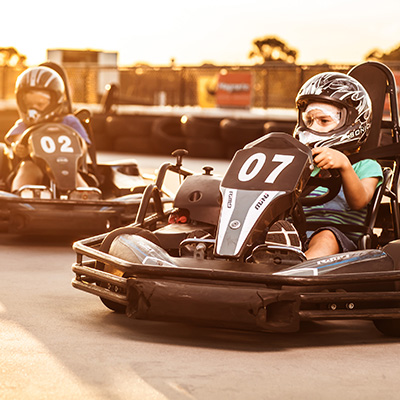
(206, 260)
(109, 198)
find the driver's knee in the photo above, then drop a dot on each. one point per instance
(28, 174)
(323, 243)
(80, 181)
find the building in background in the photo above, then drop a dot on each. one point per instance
(89, 71)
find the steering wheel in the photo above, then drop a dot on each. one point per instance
(330, 179)
(27, 134)
(23, 141)
(29, 131)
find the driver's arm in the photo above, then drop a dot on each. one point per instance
(12, 138)
(358, 192)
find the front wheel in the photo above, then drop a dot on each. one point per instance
(113, 306)
(121, 253)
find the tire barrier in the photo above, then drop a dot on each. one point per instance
(279, 126)
(203, 137)
(103, 141)
(237, 133)
(167, 135)
(129, 133)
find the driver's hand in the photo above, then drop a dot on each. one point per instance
(327, 158)
(20, 150)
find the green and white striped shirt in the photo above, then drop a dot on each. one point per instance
(337, 211)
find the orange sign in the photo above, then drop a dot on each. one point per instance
(235, 89)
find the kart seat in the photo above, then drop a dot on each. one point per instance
(374, 78)
(381, 86)
(379, 81)
(369, 239)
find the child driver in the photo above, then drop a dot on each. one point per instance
(334, 119)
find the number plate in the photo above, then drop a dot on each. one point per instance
(265, 169)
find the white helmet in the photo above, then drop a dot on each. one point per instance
(352, 118)
(44, 80)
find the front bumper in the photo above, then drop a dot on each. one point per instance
(235, 299)
(48, 216)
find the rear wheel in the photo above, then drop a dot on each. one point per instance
(389, 327)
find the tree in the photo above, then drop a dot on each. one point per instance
(271, 48)
(10, 57)
(380, 55)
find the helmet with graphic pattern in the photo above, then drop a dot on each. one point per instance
(343, 101)
(40, 94)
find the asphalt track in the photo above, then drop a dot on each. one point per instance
(59, 343)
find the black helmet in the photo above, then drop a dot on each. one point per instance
(354, 111)
(44, 80)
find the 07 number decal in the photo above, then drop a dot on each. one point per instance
(259, 160)
(49, 146)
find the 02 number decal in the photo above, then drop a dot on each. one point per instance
(259, 159)
(49, 146)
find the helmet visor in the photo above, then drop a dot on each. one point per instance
(323, 118)
(36, 99)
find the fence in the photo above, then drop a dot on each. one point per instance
(274, 84)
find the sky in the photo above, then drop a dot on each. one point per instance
(194, 32)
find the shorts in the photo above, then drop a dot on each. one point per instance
(345, 244)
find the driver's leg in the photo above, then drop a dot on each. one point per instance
(322, 244)
(327, 241)
(28, 174)
(80, 182)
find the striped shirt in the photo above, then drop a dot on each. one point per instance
(337, 211)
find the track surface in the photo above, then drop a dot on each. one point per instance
(59, 343)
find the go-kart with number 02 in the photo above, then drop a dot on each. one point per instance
(206, 260)
(110, 198)
(78, 196)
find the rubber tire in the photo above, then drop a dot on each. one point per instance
(389, 327)
(236, 134)
(205, 148)
(113, 306)
(167, 135)
(203, 137)
(129, 133)
(275, 126)
(105, 247)
(201, 127)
